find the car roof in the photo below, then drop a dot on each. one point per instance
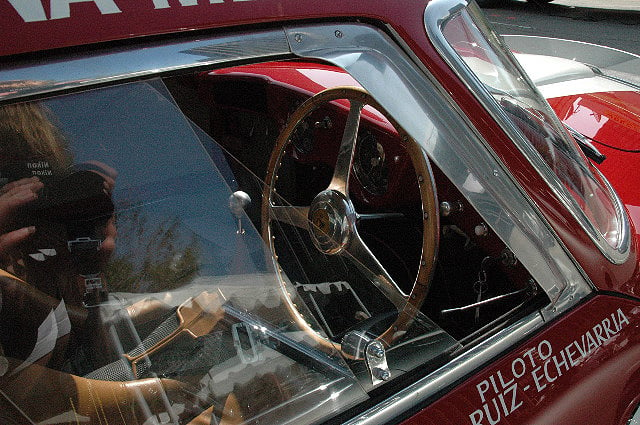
(36, 25)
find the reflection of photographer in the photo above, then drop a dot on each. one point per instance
(55, 219)
(71, 216)
(27, 137)
(56, 234)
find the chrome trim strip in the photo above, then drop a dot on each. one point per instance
(34, 78)
(458, 368)
(436, 15)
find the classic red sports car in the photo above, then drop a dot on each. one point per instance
(289, 212)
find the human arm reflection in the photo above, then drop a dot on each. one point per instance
(13, 196)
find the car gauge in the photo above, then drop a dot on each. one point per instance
(370, 164)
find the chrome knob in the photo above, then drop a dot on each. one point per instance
(238, 202)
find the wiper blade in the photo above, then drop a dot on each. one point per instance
(583, 142)
(587, 147)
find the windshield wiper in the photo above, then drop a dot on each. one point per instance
(587, 147)
(583, 142)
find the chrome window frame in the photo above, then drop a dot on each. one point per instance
(62, 73)
(412, 95)
(437, 14)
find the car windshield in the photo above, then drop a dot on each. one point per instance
(502, 78)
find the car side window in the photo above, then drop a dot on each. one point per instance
(256, 247)
(499, 80)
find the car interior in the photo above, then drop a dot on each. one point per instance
(277, 233)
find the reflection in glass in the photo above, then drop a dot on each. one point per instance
(162, 303)
(489, 59)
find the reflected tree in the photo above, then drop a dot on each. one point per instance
(151, 255)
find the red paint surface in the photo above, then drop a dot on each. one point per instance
(137, 18)
(612, 120)
(598, 389)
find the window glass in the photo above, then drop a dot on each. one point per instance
(139, 269)
(147, 262)
(489, 59)
(224, 247)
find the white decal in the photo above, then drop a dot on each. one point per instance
(33, 11)
(29, 10)
(60, 8)
(164, 4)
(499, 392)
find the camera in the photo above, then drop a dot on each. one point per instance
(70, 216)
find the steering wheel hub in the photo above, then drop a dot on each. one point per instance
(332, 219)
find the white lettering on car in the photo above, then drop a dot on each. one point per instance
(498, 407)
(34, 11)
(164, 4)
(60, 8)
(29, 10)
(499, 392)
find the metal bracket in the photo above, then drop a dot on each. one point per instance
(357, 345)
(249, 350)
(376, 360)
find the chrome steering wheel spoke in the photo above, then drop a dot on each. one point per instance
(331, 220)
(292, 215)
(346, 152)
(369, 265)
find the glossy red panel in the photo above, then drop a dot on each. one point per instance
(610, 120)
(582, 369)
(34, 25)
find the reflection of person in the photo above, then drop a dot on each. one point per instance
(12, 197)
(56, 231)
(52, 213)
(27, 136)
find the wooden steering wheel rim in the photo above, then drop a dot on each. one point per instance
(430, 227)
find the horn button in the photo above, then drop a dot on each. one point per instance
(332, 220)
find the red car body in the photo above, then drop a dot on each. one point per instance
(582, 367)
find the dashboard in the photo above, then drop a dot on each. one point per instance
(246, 110)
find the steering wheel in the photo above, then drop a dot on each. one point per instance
(331, 220)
